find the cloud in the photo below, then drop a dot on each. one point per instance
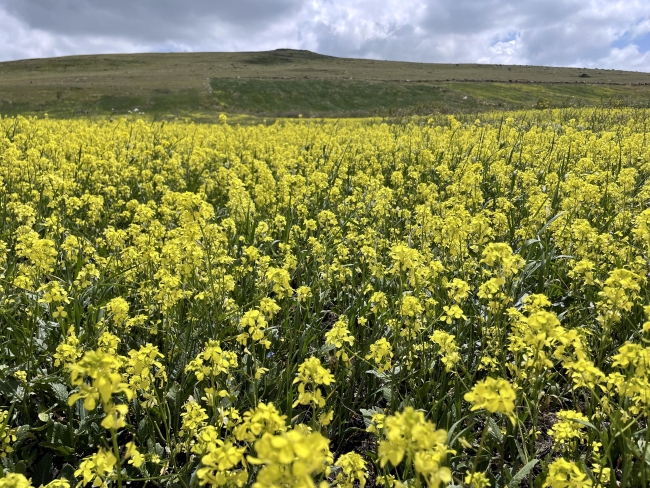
(147, 20)
(606, 33)
(629, 57)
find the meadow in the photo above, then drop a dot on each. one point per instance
(445, 301)
(287, 83)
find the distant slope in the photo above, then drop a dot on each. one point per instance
(290, 82)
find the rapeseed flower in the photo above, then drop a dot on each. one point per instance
(292, 459)
(312, 374)
(209, 283)
(565, 474)
(496, 395)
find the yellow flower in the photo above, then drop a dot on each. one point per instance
(254, 323)
(280, 281)
(458, 290)
(7, 435)
(377, 423)
(646, 324)
(568, 428)
(303, 293)
(326, 418)
(40, 252)
(14, 480)
(115, 416)
(501, 255)
(98, 468)
(69, 351)
(477, 480)
(269, 307)
(378, 301)
(338, 335)
(133, 455)
(265, 418)
(408, 434)
(108, 343)
(381, 352)
(565, 474)
(495, 395)
(404, 258)
(53, 293)
(143, 368)
(194, 418)
(60, 483)
(448, 349)
(410, 306)
(218, 465)
(619, 294)
(119, 310)
(212, 362)
(101, 369)
(353, 469)
(452, 312)
(312, 373)
(21, 376)
(291, 459)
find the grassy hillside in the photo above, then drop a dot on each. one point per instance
(289, 82)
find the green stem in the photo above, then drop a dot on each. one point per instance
(116, 452)
(480, 447)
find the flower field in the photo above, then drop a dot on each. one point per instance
(337, 303)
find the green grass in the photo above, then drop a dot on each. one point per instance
(284, 82)
(322, 97)
(330, 98)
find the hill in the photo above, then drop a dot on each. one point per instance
(290, 82)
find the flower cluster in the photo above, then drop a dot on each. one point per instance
(409, 435)
(227, 305)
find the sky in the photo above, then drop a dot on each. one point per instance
(581, 33)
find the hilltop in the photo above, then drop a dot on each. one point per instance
(289, 82)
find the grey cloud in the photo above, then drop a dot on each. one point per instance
(449, 17)
(553, 32)
(151, 20)
(399, 43)
(560, 45)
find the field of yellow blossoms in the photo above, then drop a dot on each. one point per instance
(440, 302)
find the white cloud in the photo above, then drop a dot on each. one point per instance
(629, 57)
(504, 52)
(554, 32)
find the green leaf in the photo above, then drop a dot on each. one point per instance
(12, 390)
(495, 431)
(520, 451)
(172, 394)
(42, 473)
(23, 432)
(550, 221)
(381, 376)
(65, 451)
(388, 396)
(585, 423)
(647, 456)
(59, 438)
(368, 413)
(450, 433)
(523, 472)
(67, 473)
(60, 392)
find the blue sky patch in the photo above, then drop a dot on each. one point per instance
(642, 41)
(510, 36)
